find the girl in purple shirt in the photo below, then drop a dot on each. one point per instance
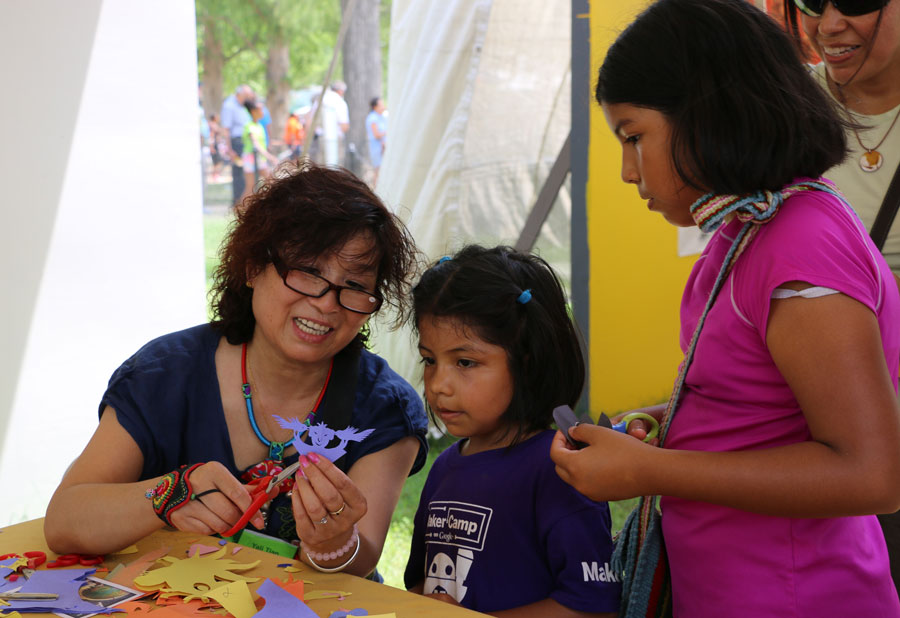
(783, 434)
(497, 530)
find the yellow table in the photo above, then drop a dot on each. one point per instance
(375, 598)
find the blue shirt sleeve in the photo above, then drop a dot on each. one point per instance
(166, 396)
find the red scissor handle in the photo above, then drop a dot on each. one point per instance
(73, 559)
(34, 558)
(260, 497)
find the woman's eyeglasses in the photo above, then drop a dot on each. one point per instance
(308, 283)
(850, 8)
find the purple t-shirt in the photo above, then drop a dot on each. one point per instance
(727, 562)
(499, 529)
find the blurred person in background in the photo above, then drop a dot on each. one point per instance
(376, 131)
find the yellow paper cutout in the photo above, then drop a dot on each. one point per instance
(292, 569)
(391, 615)
(235, 597)
(194, 576)
(11, 615)
(325, 594)
(14, 566)
(131, 549)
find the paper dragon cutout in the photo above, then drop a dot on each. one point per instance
(321, 435)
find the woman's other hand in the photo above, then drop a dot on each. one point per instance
(326, 502)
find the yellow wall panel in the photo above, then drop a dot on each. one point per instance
(636, 276)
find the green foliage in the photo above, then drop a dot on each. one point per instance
(245, 29)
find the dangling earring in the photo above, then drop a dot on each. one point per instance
(249, 285)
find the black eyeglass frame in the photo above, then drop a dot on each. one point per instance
(284, 271)
(815, 8)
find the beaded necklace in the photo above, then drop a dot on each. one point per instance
(276, 449)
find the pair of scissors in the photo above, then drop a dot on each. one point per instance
(264, 489)
(565, 418)
(622, 426)
(73, 559)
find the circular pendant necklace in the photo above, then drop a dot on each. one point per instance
(276, 449)
(871, 160)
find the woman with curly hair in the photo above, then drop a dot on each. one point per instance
(281, 375)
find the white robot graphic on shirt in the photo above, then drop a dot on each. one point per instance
(445, 576)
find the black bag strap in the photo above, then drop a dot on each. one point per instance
(888, 211)
(340, 396)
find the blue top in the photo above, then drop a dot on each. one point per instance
(234, 116)
(499, 529)
(167, 398)
(376, 145)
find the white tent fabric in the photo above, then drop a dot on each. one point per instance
(479, 97)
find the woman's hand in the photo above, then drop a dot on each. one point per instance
(215, 512)
(610, 467)
(326, 504)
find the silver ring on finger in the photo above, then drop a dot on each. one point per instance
(324, 520)
(339, 511)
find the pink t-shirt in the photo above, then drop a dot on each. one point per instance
(727, 562)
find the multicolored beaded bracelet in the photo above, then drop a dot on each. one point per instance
(172, 492)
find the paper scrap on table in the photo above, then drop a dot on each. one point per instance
(131, 549)
(65, 583)
(325, 594)
(136, 608)
(293, 587)
(343, 613)
(199, 548)
(127, 575)
(280, 603)
(194, 576)
(292, 569)
(179, 602)
(11, 615)
(12, 564)
(235, 597)
(391, 615)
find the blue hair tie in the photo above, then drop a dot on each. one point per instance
(524, 297)
(446, 258)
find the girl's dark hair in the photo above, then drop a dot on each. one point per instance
(745, 113)
(301, 213)
(479, 287)
(374, 102)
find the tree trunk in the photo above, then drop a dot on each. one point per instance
(362, 70)
(212, 60)
(278, 65)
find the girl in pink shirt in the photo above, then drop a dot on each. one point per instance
(783, 438)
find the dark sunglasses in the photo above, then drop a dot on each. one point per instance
(850, 8)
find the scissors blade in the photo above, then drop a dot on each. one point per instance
(282, 476)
